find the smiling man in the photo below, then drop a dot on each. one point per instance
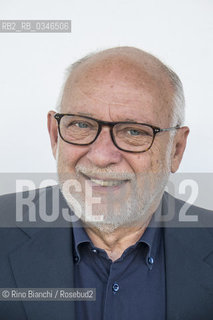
(119, 127)
(117, 136)
(112, 106)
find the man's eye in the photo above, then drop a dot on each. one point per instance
(138, 132)
(82, 125)
(78, 124)
(134, 132)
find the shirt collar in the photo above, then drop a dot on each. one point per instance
(79, 236)
(151, 237)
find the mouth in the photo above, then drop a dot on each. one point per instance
(96, 181)
(107, 183)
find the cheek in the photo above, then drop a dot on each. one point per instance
(151, 161)
(140, 163)
(159, 159)
(68, 157)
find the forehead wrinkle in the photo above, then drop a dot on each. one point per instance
(68, 96)
(95, 84)
(97, 98)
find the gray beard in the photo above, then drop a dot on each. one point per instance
(136, 209)
(146, 193)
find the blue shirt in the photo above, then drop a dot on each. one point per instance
(130, 288)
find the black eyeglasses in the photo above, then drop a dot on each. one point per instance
(126, 135)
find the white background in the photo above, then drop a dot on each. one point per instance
(180, 32)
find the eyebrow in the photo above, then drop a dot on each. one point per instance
(85, 114)
(93, 116)
(127, 119)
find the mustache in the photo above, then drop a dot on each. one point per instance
(104, 173)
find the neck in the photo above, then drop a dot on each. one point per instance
(118, 241)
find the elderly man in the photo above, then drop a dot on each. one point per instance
(117, 136)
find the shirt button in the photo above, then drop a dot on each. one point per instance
(150, 260)
(76, 259)
(94, 250)
(115, 287)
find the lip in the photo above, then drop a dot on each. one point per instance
(97, 187)
(100, 178)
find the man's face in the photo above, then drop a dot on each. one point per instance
(128, 185)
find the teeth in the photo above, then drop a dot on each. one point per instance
(107, 183)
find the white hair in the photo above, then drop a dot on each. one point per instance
(178, 115)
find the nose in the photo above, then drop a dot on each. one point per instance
(103, 152)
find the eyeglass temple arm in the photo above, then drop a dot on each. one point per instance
(169, 129)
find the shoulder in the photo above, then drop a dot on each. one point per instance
(10, 203)
(29, 211)
(15, 210)
(185, 214)
(188, 226)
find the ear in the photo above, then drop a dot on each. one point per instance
(53, 131)
(179, 145)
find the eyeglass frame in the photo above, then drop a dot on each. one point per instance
(101, 123)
